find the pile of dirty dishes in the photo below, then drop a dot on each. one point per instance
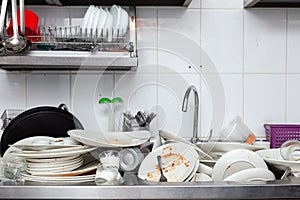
(100, 22)
(48, 159)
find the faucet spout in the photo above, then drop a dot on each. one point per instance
(195, 137)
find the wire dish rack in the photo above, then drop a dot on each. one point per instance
(78, 39)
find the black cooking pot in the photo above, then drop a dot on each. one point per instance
(40, 121)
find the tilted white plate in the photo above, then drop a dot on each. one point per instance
(235, 161)
(178, 162)
(110, 139)
(227, 146)
(53, 155)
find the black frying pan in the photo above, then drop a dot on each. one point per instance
(40, 121)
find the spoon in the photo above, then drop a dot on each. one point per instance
(15, 43)
(162, 177)
(2, 19)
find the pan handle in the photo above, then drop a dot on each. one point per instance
(63, 107)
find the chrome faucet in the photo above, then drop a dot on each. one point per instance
(195, 137)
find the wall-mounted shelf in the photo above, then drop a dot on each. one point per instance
(271, 3)
(71, 48)
(68, 60)
(110, 2)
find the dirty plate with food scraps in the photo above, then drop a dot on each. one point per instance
(110, 139)
(178, 162)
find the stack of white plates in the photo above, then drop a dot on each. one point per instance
(53, 165)
(180, 163)
(46, 161)
(100, 22)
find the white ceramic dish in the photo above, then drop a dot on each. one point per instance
(53, 155)
(61, 169)
(82, 170)
(58, 150)
(51, 160)
(273, 156)
(110, 139)
(54, 164)
(7, 156)
(235, 161)
(227, 146)
(192, 174)
(96, 19)
(108, 25)
(86, 18)
(252, 175)
(116, 13)
(170, 136)
(199, 177)
(101, 21)
(205, 169)
(72, 179)
(124, 21)
(178, 162)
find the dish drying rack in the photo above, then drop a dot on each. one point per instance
(77, 39)
(74, 48)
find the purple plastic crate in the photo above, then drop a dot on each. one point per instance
(279, 133)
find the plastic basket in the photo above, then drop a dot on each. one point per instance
(278, 133)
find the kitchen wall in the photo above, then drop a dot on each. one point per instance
(243, 62)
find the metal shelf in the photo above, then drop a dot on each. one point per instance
(68, 60)
(110, 2)
(77, 52)
(271, 3)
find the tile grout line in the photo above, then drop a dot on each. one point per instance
(157, 73)
(286, 68)
(243, 77)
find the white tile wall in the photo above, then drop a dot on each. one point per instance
(48, 89)
(265, 41)
(222, 38)
(264, 100)
(293, 46)
(254, 54)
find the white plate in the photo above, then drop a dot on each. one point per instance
(7, 156)
(178, 162)
(83, 178)
(53, 155)
(227, 146)
(54, 169)
(273, 156)
(110, 139)
(82, 170)
(116, 13)
(170, 136)
(86, 18)
(252, 175)
(51, 160)
(58, 150)
(53, 164)
(191, 176)
(108, 25)
(101, 20)
(235, 161)
(124, 21)
(201, 177)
